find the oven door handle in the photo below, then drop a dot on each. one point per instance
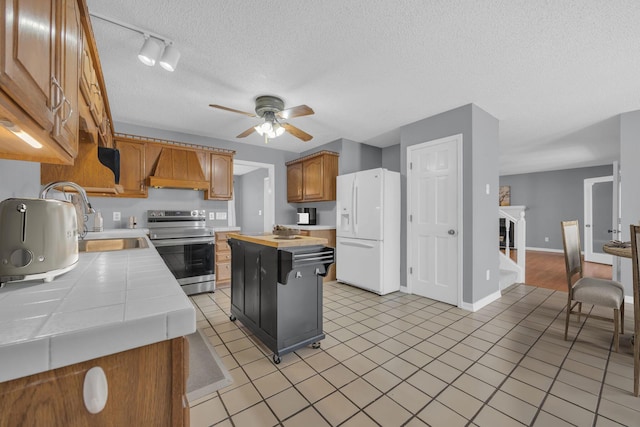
(180, 242)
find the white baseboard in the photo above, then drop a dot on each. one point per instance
(482, 302)
(628, 299)
(404, 289)
(557, 251)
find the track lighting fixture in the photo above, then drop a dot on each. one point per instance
(152, 47)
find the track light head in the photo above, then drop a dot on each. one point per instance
(150, 51)
(170, 57)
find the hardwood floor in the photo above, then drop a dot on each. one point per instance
(547, 270)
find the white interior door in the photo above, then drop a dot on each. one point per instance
(598, 218)
(434, 219)
(615, 220)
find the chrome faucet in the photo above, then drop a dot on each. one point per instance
(83, 194)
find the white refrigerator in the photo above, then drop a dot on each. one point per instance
(368, 230)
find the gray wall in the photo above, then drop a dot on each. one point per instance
(250, 200)
(391, 158)
(480, 165)
(630, 177)
(19, 179)
(551, 197)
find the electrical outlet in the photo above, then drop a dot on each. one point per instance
(116, 216)
(546, 239)
(221, 215)
(259, 212)
(212, 215)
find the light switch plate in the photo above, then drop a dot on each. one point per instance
(212, 215)
(221, 215)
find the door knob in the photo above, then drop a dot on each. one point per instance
(612, 231)
(451, 232)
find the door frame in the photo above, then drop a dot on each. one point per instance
(587, 227)
(460, 210)
(269, 214)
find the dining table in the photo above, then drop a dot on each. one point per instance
(622, 249)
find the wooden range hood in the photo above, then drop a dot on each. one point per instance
(178, 168)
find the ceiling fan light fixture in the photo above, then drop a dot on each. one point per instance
(278, 129)
(170, 57)
(150, 51)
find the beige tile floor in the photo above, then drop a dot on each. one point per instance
(406, 360)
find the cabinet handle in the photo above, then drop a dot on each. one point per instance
(60, 93)
(66, 119)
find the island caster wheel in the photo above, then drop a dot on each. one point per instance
(276, 359)
(315, 345)
(232, 318)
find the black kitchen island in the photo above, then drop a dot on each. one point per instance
(276, 288)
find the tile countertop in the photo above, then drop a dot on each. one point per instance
(110, 302)
(310, 227)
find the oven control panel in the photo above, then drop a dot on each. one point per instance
(192, 215)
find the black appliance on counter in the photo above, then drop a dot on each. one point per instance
(186, 245)
(306, 216)
(277, 293)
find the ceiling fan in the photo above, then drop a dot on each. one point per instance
(271, 109)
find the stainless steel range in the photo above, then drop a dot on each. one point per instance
(186, 245)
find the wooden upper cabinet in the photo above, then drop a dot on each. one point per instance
(312, 178)
(28, 65)
(294, 182)
(221, 177)
(69, 44)
(132, 168)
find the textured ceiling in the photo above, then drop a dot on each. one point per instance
(555, 73)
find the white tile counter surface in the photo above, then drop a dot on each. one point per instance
(110, 302)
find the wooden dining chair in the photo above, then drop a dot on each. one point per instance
(635, 266)
(589, 290)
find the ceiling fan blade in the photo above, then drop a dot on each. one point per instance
(297, 132)
(232, 110)
(299, 111)
(246, 132)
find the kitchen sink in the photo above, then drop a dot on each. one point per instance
(118, 244)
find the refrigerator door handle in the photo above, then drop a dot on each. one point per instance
(357, 244)
(355, 207)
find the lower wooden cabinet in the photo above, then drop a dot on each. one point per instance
(146, 387)
(330, 235)
(223, 260)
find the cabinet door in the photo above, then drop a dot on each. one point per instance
(26, 69)
(68, 53)
(313, 178)
(221, 166)
(146, 386)
(294, 182)
(132, 176)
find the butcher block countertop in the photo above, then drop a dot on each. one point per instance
(276, 241)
